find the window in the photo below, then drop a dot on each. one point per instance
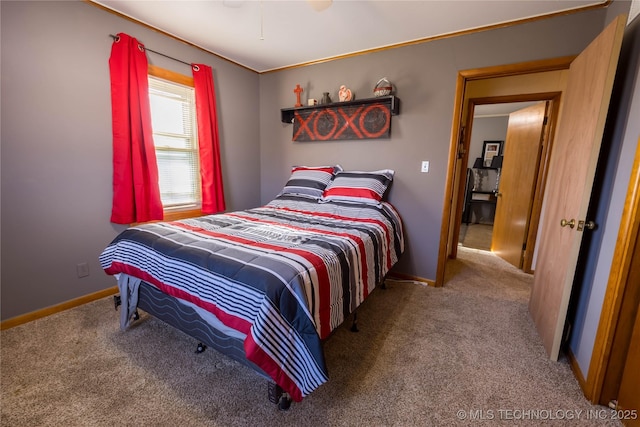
(173, 119)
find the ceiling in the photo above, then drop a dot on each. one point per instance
(271, 34)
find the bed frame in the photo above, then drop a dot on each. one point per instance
(184, 318)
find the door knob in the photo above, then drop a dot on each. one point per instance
(564, 223)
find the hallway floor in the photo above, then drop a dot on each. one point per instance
(476, 236)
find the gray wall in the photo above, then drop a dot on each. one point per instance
(425, 78)
(486, 129)
(56, 144)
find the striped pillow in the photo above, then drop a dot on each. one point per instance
(309, 181)
(357, 186)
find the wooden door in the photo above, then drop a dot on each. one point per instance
(629, 395)
(570, 180)
(522, 149)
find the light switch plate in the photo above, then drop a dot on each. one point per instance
(425, 166)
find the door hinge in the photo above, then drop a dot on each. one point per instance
(461, 150)
(546, 119)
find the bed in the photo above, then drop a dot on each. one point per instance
(266, 286)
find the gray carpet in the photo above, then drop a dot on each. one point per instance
(423, 356)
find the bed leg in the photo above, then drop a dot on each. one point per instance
(275, 392)
(278, 396)
(285, 402)
(117, 301)
(354, 324)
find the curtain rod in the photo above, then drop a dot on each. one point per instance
(157, 53)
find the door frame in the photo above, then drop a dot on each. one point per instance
(593, 385)
(459, 145)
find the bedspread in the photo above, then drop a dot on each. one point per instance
(285, 274)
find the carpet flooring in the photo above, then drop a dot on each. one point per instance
(476, 236)
(464, 354)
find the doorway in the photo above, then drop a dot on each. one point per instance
(489, 129)
(517, 185)
(584, 116)
(533, 81)
(582, 122)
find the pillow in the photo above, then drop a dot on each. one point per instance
(358, 186)
(309, 180)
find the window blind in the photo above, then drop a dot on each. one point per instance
(173, 119)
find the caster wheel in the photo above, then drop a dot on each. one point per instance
(284, 403)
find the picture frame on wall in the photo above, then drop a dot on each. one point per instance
(490, 149)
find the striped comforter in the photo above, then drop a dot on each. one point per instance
(285, 274)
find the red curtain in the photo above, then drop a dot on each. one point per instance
(136, 193)
(208, 140)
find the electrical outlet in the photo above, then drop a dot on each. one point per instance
(425, 166)
(82, 269)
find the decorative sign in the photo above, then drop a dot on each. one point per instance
(336, 122)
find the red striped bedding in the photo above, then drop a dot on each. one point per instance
(285, 274)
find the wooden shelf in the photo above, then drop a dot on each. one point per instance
(287, 114)
(483, 192)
